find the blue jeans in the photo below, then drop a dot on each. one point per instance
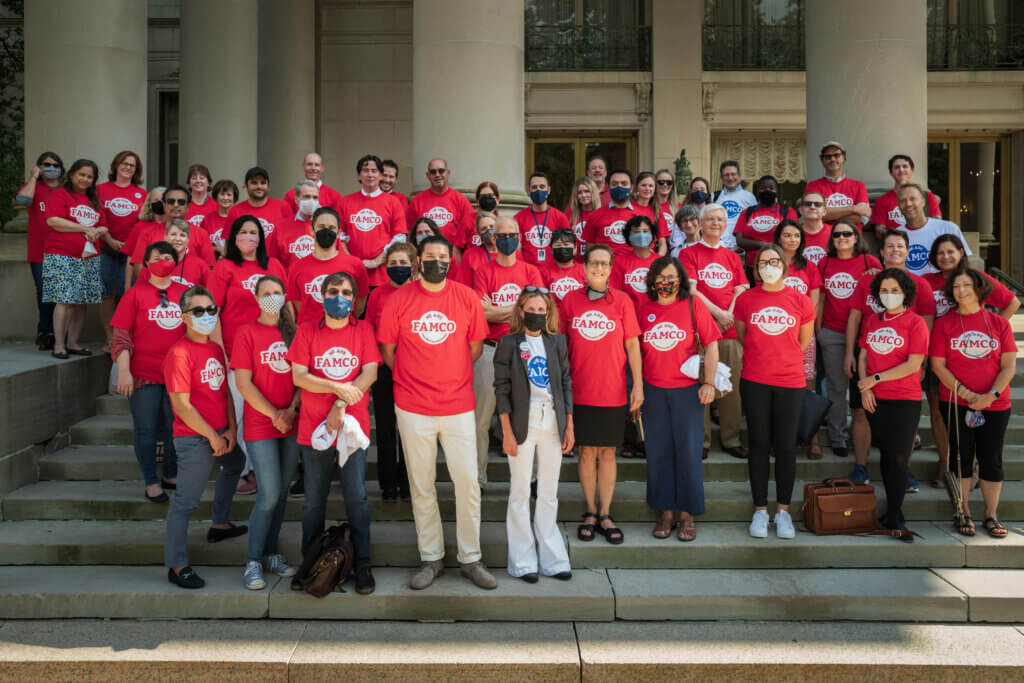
(112, 265)
(195, 458)
(319, 468)
(274, 462)
(45, 324)
(152, 421)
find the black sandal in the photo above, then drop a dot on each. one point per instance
(612, 534)
(585, 532)
(964, 524)
(994, 527)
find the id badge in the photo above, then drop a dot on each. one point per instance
(540, 255)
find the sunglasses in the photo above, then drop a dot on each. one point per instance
(837, 155)
(814, 205)
(533, 289)
(437, 171)
(176, 202)
(164, 303)
(666, 183)
(199, 310)
(843, 233)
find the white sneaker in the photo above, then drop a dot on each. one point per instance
(254, 576)
(759, 524)
(784, 525)
(276, 564)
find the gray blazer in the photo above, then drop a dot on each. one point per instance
(512, 386)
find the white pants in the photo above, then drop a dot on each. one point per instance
(239, 401)
(544, 539)
(483, 389)
(419, 438)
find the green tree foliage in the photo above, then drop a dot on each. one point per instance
(12, 107)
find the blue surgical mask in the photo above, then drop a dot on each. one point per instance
(204, 324)
(640, 240)
(337, 307)
(538, 196)
(619, 193)
(507, 245)
(399, 274)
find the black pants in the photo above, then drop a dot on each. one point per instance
(390, 458)
(773, 414)
(984, 442)
(893, 425)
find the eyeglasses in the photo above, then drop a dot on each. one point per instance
(770, 262)
(533, 289)
(199, 310)
(813, 205)
(843, 233)
(437, 171)
(599, 264)
(164, 303)
(666, 183)
(176, 202)
(127, 164)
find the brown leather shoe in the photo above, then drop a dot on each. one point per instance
(425, 576)
(737, 452)
(478, 574)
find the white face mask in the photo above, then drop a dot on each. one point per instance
(205, 323)
(308, 206)
(770, 274)
(891, 300)
(271, 303)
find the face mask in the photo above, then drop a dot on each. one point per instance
(534, 322)
(308, 206)
(699, 197)
(891, 300)
(421, 237)
(619, 193)
(562, 254)
(157, 207)
(666, 288)
(766, 197)
(337, 307)
(50, 172)
(434, 271)
(326, 238)
(271, 303)
(538, 196)
(770, 274)
(507, 245)
(161, 268)
(247, 241)
(399, 274)
(204, 324)
(487, 202)
(641, 240)
(487, 237)
(594, 295)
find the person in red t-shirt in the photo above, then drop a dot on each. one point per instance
(431, 333)
(478, 255)
(448, 208)
(422, 228)
(202, 201)
(205, 431)
(893, 346)
(817, 233)
(190, 270)
(645, 202)
(389, 179)
(563, 274)
(488, 199)
(717, 278)
(756, 225)
(604, 225)
(844, 197)
(498, 283)
(668, 203)
(146, 324)
(584, 200)
(629, 273)
(264, 378)
(686, 230)
(597, 171)
(215, 223)
(121, 198)
(600, 324)
(674, 403)
(538, 221)
(294, 240)
(886, 214)
(174, 205)
(370, 219)
(47, 174)
(313, 171)
(271, 213)
(974, 355)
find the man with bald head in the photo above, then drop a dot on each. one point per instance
(448, 208)
(313, 169)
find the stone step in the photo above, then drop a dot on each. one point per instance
(726, 501)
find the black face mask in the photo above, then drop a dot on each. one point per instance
(767, 197)
(326, 238)
(487, 202)
(534, 322)
(157, 207)
(434, 271)
(563, 254)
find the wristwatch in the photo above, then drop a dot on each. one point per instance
(878, 377)
(995, 393)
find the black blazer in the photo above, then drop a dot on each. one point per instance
(512, 386)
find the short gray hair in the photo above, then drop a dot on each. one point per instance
(301, 183)
(711, 206)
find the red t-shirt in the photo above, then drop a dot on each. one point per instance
(273, 214)
(923, 303)
(199, 370)
(433, 370)
(338, 355)
(886, 210)
(668, 341)
(668, 219)
(216, 226)
(260, 349)
(120, 207)
(655, 216)
(760, 225)
(307, 275)
(375, 304)
(579, 229)
(816, 245)
(629, 273)
(190, 271)
(604, 226)
(999, 298)
(839, 193)
(402, 199)
(154, 328)
(803, 280)
(561, 281)
(37, 227)
(74, 207)
(198, 242)
(233, 288)
(370, 221)
(450, 210)
(596, 333)
(889, 342)
(972, 346)
(328, 197)
(771, 343)
(473, 258)
(535, 232)
(718, 272)
(840, 277)
(503, 285)
(138, 230)
(196, 214)
(293, 241)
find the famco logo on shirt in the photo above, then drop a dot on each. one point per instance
(302, 246)
(896, 216)
(637, 279)
(793, 282)
(476, 241)
(336, 362)
(196, 220)
(122, 207)
(433, 327)
(837, 200)
(715, 275)
(884, 340)
(439, 215)
(917, 257)
(841, 285)
(168, 318)
(249, 283)
(84, 215)
(217, 238)
(773, 320)
(942, 304)
(506, 294)
(312, 288)
(874, 305)
(670, 222)
(814, 254)
(274, 357)
(974, 344)
(562, 287)
(365, 220)
(763, 223)
(212, 374)
(614, 232)
(182, 281)
(593, 325)
(664, 336)
(537, 371)
(268, 227)
(732, 208)
(538, 236)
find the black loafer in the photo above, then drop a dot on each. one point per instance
(63, 355)
(80, 352)
(530, 578)
(159, 498)
(364, 581)
(390, 494)
(563, 576)
(215, 535)
(186, 579)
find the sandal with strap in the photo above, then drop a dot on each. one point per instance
(585, 532)
(612, 534)
(994, 527)
(663, 529)
(964, 524)
(687, 530)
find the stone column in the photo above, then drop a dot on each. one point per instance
(217, 97)
(468, 93)
(85, 80)
(287, 89)
(867, 86)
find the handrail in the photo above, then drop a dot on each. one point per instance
(1007, 280)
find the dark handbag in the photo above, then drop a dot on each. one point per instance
(328, 562)
(813, 413)
(838, 506)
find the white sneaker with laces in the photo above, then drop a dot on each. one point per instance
(759, 524)
(784, 525)
(254, 576)
(276, 564)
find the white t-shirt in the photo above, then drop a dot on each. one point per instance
(734, 201)
(537, 369)
(921, 241)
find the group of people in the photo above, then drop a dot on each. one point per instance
(250, 334)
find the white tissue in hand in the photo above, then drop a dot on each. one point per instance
(691, 368)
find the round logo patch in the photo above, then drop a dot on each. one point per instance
(562, 287)
(196, 220)
(122, 207)
(637, 280)
(763, 223)
(732, 208)
(249, 283)
(837, 200)
(168, 318)
(439, 215)
(841, 285)
(814, 254)
(942, 304)
(664, 336)
(614, 232)
(268, 227)
(793, 282)
(302, 246)
(537, 371)
(336, 363)
(593, 325)
(84, 215)
(539, 236)
(312, 288)
(974, 344)
(212, 374)
(433, 327)
(884, 340)
(506, 294)
(917, 257)
(274, 357)
(365, 220)
(773, 320)
(715, 275)
(217, 238)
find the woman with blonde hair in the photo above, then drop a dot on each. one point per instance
(668, 200)
(584, 199)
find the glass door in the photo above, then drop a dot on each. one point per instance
(563, 156)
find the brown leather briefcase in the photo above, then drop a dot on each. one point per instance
(838, 506)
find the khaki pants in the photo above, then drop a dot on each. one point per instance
(419, 437)
(730, 409)
(483, 390)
